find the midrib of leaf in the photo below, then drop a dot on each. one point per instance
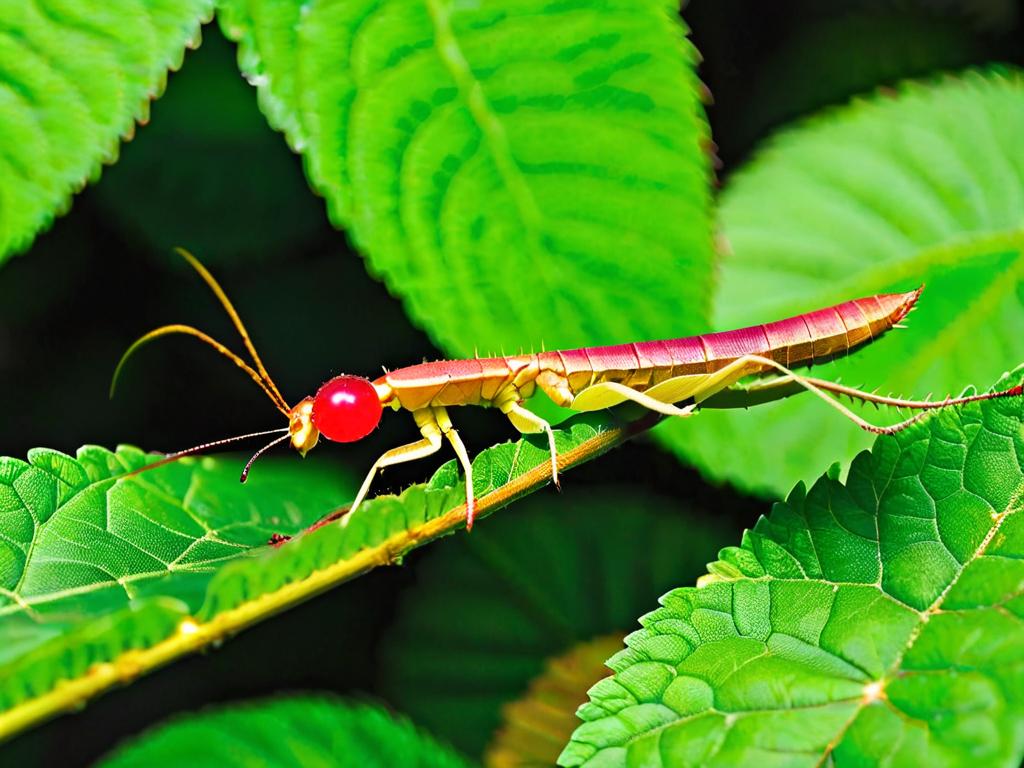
(39, 527)
(954, 253)
(490, 126)
(972, 315)
(194, 633)
(936, 606)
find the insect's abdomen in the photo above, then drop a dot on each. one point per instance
(801, 340)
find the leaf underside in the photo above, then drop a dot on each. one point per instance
(872, 622)
(924, 185)
(294, 732)
(136, 571)
(527, 173)
(64, 115)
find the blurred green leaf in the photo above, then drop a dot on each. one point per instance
(524, 173)
(489, 610)
(925, 185)
(866, 623)
(295, 732)
(74, 80)
(106, 576)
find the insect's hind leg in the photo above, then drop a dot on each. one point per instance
(429, 445)
(814, 385)
(899, 402)
(609, 393)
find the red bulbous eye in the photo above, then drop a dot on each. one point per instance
(346, 409)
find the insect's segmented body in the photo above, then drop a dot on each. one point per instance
(813, 337)
(671, 378)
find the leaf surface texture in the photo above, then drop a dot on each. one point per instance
(64, 115)
(875, 621)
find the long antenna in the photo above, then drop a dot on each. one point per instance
(233, 314)
(260, 452)
(188, 330)
(205, 447)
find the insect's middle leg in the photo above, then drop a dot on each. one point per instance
(429, 445)
(527, 422)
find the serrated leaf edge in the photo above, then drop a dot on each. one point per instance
(193, 635)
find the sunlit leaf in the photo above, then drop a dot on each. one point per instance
(925, 185)
(106, 576)
(297, 732)
(523, 173)
(74, 80)
(871, 622)
(92, 565)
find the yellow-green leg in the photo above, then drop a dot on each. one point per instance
(445, 425)
(429, 445)
(815, 387)
(527, 423)
(611, 393)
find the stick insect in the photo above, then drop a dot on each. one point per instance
(673, 378)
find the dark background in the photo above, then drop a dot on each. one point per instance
(208, 174)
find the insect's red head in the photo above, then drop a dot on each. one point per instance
(346, 409)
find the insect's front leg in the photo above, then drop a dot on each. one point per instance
(429, 445)
(445, 425)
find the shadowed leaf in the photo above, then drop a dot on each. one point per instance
(489, 610)
(535, 727)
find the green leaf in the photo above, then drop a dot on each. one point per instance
(523, 173)
(294, 732)
(925, 185)
(93, 563)
(527, 588)
(74, 80)
(876, 622)
(106, 576)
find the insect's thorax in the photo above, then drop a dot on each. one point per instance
(481, 381)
